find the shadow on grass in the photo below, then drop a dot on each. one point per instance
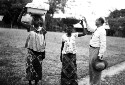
(7, 74)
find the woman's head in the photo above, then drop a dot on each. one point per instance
(37, 21)
(69, 29)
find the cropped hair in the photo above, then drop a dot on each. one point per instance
(101, 19)
(37, 19)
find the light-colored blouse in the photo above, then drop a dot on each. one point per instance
(69, 43)
(36, 41)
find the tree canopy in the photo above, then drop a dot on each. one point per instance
(116, 21)
(117, 13)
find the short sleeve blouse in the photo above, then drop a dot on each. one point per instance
(69, 43)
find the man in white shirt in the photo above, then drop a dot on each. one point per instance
(96, 50)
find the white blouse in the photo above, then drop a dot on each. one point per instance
(69, 43)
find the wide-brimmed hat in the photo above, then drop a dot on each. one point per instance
(100, 65)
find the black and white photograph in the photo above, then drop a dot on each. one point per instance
(62, 42)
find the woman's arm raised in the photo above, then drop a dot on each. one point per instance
(84, 31)
(61, 50)
(27, 26)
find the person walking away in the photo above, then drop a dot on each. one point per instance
(96, 50)
(35, 44)
(68, 56)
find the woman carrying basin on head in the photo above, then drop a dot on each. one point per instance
(35, 44)
(68, 55)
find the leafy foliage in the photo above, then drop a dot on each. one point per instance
(117, 13)
(51, 23)
(56, 4)
(116, 21)
(11, 10)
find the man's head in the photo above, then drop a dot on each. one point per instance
(99, 22)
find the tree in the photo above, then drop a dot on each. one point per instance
(116, 21)
(54, 6)
(117, 13)
(114, 14)
(12, 10)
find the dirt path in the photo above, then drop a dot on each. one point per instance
(109, 72)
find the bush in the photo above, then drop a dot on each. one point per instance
(118, 26)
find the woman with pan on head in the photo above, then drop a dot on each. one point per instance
(68, 55)
(35, 44)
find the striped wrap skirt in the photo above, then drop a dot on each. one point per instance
(69, 69)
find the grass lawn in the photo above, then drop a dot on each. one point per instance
(13, 54)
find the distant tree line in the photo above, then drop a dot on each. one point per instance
(11, 9)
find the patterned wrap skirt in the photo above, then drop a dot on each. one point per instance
(95, 76)
(69, 69)
(34, 65)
